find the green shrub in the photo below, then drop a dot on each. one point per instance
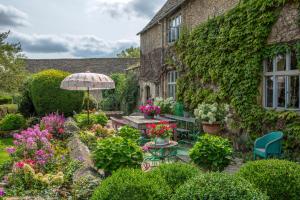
(5, 99)
(280, 179)
(25, 105)
(95, 118)
(176, 174)
(89, 139)
(92, 103)
(132, 184)
(129, 133)
(8, 109)
(218, 186)
(117, 152)
(47, 97)
(212, 152)
(292, 142)
(12, 122)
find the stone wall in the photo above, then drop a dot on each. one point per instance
(286, 29)
(98, 65)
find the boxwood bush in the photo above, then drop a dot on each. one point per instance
(12, 122)
(47, 97)
(132, 184)
(130, 133)
(95, 118)
(280, 179)
(218, 186)
(116, 152)
(212, 152)
(176, 174)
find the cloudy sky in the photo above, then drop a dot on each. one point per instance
(75, 28)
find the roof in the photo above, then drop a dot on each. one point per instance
(105, 66)
(167, 8)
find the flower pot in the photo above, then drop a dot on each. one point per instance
(161, 141)
(213, 128)
(148, 116)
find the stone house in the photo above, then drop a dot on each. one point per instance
(280, 86)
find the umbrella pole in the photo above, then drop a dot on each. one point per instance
(88, 105)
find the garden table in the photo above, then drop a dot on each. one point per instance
(160, 152)
(139, 122)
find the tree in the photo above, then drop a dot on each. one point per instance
(12, 69)
(132, 52)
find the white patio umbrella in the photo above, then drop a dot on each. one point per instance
(86, 82)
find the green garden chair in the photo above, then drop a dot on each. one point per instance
(268, 145)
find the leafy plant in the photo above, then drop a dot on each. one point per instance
(292, 142)
(89, 138)
(12, 122)
(102, 132)
(83, 188)
(218, 186)
(117, 152)
(280, 179)
(132, 184)
(211, 152)
(47, 97)
(128, 132)
(167, 106)
(211, 113)
(95, 118)
(176, 174)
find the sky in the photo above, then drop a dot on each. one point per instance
(75, 28)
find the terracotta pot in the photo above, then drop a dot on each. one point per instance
(148, 116)
(214, 128)
(161, 141)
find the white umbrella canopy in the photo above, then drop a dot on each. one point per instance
(87, 81)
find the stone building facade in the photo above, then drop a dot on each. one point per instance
(279, 89)
(157, 78)
(97, 65)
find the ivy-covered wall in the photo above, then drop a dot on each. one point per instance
(222, 60)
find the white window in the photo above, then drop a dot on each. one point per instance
(174, 29)
(172, 77)
(281, 82)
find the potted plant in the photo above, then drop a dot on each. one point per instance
(150, 110)
(167, 106)
(212, 116)
(161, 132)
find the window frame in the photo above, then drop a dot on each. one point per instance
(288, 73)
(174, 24)
(172, 77)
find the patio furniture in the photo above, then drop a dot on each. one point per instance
(268, 145)
(159, 152)
(139, 122)
(117, 123)
(186, 127)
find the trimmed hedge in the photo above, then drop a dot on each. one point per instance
(5, 99)
(176, 174)
(95, 118)
(12, 122)
(8, 109)
(212, 152)
(280, 179)
(132, 184)
(47, 97)
(218, 186)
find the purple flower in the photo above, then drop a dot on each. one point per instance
(2, 192)
(11, 150)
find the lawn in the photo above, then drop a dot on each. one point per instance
(4, 143)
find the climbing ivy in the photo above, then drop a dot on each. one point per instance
(227, 52)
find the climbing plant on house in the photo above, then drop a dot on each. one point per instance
(222, 59)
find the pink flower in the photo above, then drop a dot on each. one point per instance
(11, 150)
(2, 192)
(61, 130)
(145, 148)
(19, 164)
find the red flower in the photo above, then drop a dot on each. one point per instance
(19, 164)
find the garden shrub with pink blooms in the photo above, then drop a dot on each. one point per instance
(40, 160)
